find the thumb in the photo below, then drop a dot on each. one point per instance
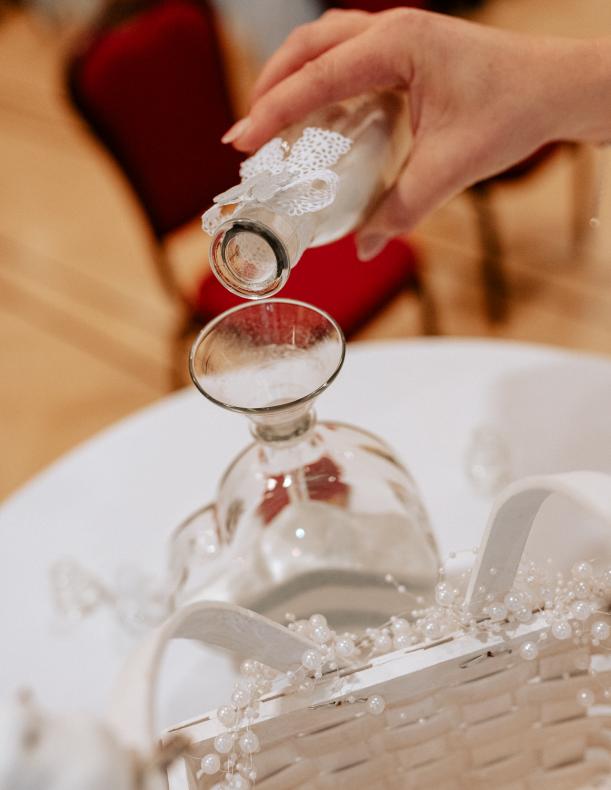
(422, 186)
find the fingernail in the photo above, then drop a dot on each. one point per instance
(237, 130)
(367, 247)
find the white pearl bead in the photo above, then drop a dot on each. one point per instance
(227, 715)
(211, 764)
(237, 782)
(585, 697)
(376, 705)
(529, 650)
(320, 634)
(249, 743)
(317, 620)
(497, 612)
(582, 590)
(241, 697)
(223, 743)
(513, 601)
(400, 624)
(402, 641)
(249, 667)
(431, 629)
(561, 629)
(581, 610)
(524, 615)
(444, 594)
(582, 570)
(311, 659)
(600, 630)
(382, 643)
(344, 646)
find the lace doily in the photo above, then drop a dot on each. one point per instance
(291, 180)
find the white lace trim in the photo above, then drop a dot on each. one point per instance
(291, 180)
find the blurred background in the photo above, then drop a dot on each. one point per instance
(110, 118)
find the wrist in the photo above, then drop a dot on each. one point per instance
(579, 89)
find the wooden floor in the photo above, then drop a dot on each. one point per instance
(85, 329)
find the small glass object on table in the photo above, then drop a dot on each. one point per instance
(312, 516)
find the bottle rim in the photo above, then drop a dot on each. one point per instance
(231, 278)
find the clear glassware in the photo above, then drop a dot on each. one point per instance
(252, 252)
(312, 516)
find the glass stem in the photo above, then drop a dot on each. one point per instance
(284, 426)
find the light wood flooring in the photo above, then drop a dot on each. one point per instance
(85, 329)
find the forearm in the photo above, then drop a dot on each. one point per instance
(482, 99)
(579, 89)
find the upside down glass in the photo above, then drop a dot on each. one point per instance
(312, 516)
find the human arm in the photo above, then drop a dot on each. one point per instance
(481, 99)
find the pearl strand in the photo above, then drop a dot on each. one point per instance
(568, 605)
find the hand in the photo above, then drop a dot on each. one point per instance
(481, 99)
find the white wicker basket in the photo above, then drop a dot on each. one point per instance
(460, 713)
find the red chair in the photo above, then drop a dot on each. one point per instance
(149, 82)
(151, 86)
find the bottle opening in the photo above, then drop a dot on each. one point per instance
(249, 259)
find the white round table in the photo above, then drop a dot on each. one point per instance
(116, 498)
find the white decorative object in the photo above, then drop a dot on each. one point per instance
(492, 703)
(290, 180)
(40, 752)
(488, 460)
(500, 704)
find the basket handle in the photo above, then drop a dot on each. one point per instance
(248, 634)
(512, 518)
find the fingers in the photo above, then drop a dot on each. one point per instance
(426, 183)
(352, 67)
(308, 42)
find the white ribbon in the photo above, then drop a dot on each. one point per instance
(291, 180)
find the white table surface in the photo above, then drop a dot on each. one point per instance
(116, 498)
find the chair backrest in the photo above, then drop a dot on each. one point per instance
(152, 88)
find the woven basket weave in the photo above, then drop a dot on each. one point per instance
(460, 713)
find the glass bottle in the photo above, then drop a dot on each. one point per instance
(253, 251)
(313, 516)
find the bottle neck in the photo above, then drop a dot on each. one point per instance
(253, 252)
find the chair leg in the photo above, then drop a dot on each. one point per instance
(493, 276)
(585, 198)
(165, 275)
(187, 321)
(428, 308)
(189, 325)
